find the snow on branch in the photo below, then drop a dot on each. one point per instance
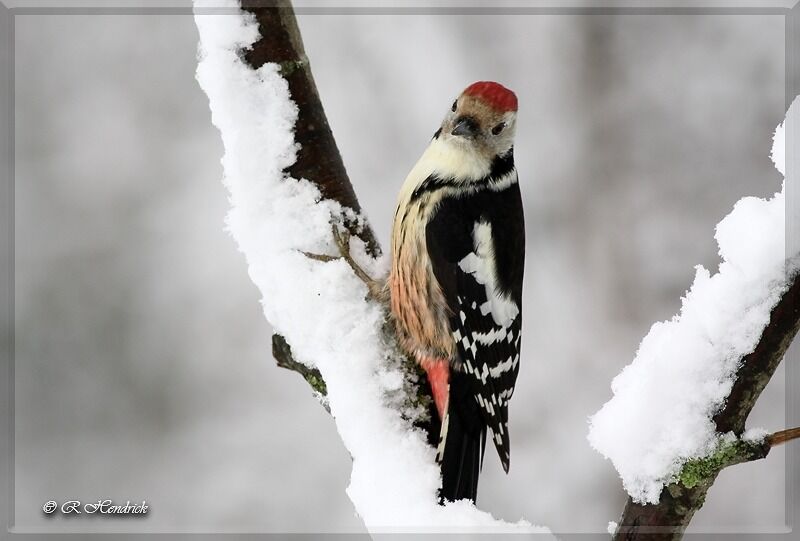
(679, 409)
(284, 198)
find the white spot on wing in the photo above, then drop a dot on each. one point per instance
(504, 395)
(505, 366)
(484, 373)
(495, 335)
(481, 265)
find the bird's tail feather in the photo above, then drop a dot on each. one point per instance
(461, 462)
(461, 448)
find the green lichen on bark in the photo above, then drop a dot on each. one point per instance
(317, 383)
(283, 355)
(288, 67)
(727, 453)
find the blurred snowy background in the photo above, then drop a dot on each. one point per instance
(143, 364)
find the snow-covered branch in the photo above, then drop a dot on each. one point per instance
(318, 159)
(679, 409)
(287, 185)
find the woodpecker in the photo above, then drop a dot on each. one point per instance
(455, 283)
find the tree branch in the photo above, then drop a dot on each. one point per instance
(757, 367)
(679, 501)
(283, 357)
(319, 162)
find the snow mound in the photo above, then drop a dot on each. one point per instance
(661, 413)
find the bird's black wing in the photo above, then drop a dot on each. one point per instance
(477, 248)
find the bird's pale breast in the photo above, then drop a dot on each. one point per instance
(417, 302)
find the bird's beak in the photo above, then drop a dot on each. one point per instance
(465, 126)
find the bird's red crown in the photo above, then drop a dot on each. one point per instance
(494, 94)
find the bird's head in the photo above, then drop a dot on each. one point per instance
(483, 119)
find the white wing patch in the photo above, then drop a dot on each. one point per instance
(481, 265)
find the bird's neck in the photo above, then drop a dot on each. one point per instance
(448, 157)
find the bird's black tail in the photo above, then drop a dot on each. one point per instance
(464, 438)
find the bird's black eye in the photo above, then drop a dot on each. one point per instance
(497, 129)
(455, 104)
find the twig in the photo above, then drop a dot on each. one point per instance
(283, 358)
(779, 438)
(375, 287)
